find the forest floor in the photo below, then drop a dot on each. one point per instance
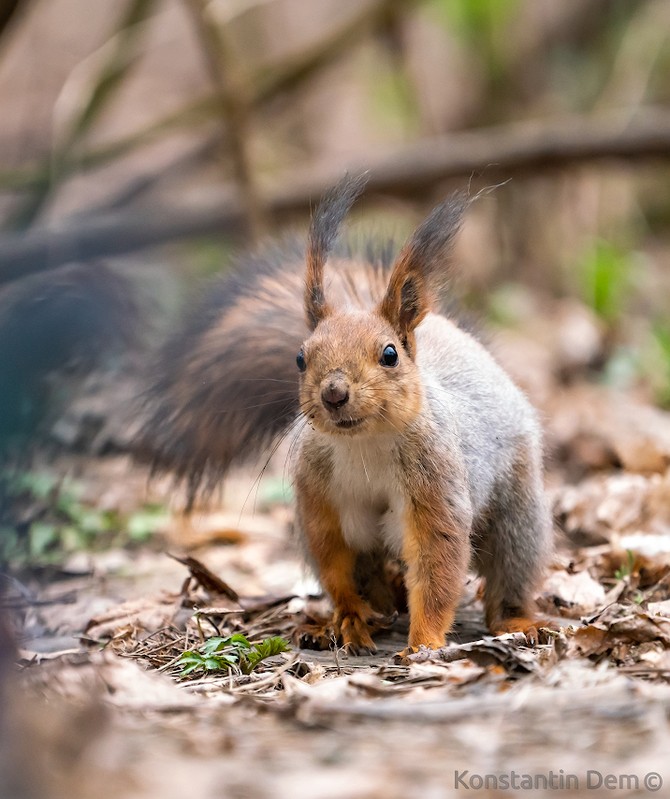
(99, 705)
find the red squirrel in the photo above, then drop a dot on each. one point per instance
(411, 441)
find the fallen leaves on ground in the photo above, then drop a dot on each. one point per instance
(115, 632)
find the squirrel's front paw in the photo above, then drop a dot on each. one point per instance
(353, 631)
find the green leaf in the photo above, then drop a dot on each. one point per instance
(190, 657)
(191, 661)
(42, 537)
(71, 538)
(259, 652)
(606, 276)
(239, 640)
(68, 504)
(91, 522)
(626, 568)
(213, 645)
(37, 484)
(475, 20)
(145, 523)
(12, 548)
(190, 669)
(233, 652)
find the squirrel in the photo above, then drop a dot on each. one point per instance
(411, 441)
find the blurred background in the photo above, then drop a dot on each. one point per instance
(145, 142)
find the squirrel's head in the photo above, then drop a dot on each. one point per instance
(358, 371)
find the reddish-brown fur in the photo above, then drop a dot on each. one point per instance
(335, 563)
(430, 460)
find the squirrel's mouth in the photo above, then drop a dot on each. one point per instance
(347, 424)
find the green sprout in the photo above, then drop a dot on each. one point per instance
(626, 569)
(234, 653)
(661, 371)
(63, 523)
(606, 275)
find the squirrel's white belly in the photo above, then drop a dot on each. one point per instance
(366, 493)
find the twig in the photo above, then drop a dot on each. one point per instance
(409, 171)
(234, 109)
(200, 110)
(207, 682)
(207, 579)
(68, 598)
(271, 679)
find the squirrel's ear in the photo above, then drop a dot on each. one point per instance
(405, 303)
(323, 230)
(421, 271)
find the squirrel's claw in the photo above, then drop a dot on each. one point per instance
(533, 629)
(402, 657)
(353, 631)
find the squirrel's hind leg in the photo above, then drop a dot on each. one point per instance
(512, 545)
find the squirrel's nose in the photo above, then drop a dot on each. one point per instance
(335, 395)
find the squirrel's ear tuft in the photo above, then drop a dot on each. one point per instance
(421, 271)
(323, 230)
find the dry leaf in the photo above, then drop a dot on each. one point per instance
(132, 619)
(576, 594)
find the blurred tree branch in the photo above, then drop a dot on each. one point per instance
(270, 82)
(8, 9)
(234, 106)
(104, 87)
(409, 171)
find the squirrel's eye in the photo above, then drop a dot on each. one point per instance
(300, 360)
(389, 356)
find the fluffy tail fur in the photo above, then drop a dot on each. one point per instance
(227, 384)
(57, 323)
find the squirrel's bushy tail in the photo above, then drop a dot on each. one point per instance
(54, 326)
(227, 383)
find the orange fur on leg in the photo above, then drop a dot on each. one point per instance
(436, 563)
(335, 562)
